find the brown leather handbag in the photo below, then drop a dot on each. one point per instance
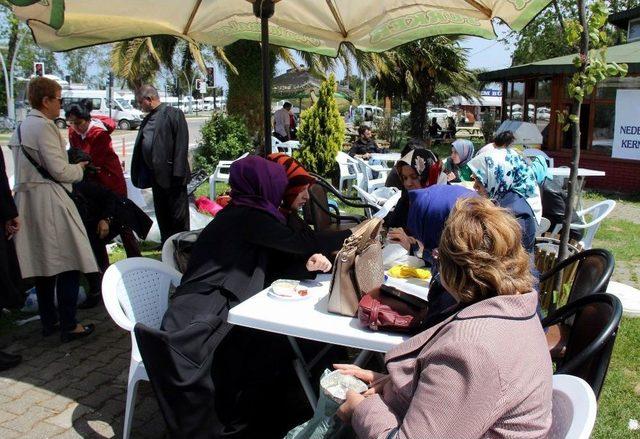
(389, 309)
(357, 268)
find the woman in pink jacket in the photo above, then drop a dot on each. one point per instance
(484, 371)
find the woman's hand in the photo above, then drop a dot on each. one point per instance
(11, 227)
(102, 229)
(398, 236)
(318, 262)
(368, 376)
(345, 411)
(450, 176)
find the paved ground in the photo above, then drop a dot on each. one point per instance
(73, 390)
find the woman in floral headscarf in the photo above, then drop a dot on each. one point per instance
(418, 169)
(503, 176)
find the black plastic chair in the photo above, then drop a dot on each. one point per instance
(595, 267)
(322, 215)
(596, 319)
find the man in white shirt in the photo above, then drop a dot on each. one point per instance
(282, 122)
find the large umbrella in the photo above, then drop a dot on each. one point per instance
(309, 25)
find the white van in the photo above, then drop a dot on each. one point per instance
(122, 112)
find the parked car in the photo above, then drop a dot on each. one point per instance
(440, 113)
(122, 112)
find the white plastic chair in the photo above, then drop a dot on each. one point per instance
(530, 152)
(388, 206)
(543, 226)
(275, 142)
(288, 147)
(168, 252)
(574, 408)
(348, 170)
(369, 183)
(598, 213)
(221, 174)
(136, 290)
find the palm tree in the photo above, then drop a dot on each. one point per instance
(426, 70)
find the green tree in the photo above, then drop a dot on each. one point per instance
(424, 71)
(77, 63)
(223, 138)
(544, 38)
(244, 76)
(321, 132)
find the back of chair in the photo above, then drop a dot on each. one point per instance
(598, 213)
(594, 271)
(591, 338)
(317, 208)
(574, 408)
(136, 290)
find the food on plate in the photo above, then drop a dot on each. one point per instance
(303, 293)
(285, 287)
(405, 271)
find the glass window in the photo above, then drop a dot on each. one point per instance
(543, 89)
(603, 126)
(634, 30)
(97, 103)
(517, 90)
(607, 88)
(516, 111)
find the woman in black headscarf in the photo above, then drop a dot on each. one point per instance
(213, 379)
(417, 169)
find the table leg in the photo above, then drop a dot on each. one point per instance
(306, 383)
(362, 358)
(298, 353)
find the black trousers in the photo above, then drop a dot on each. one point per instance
(65, 287)
(172, 210)
(10, 279)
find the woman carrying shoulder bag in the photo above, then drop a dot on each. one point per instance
(52, 245)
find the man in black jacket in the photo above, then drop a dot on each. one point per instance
(10, 226)
(160, 161)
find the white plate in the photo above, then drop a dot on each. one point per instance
(288, 298)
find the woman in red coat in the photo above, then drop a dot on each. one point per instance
(92, 134)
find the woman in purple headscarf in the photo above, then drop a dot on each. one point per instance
(213, 379)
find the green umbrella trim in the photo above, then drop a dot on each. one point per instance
(56, 18)
(422, 24)
(532, 8)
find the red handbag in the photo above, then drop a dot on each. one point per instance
(389, 309)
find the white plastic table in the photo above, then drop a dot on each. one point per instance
(582, 172)
(386, 157)
(308, 318)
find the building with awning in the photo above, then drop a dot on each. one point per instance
(537, 92)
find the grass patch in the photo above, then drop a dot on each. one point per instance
(621, 237)
(148, 250)
(620, 397)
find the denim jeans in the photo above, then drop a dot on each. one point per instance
(65, 285)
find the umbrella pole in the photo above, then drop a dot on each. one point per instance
(264, 10)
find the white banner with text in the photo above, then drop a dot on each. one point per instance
(626, 137)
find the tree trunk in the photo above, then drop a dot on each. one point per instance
(245, 88)
(418, 118)
(575, 160)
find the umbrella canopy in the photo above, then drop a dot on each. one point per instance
(309, 25)
(318, 26)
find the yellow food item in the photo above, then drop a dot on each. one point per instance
(405, 271)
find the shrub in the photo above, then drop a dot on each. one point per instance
(321, 132)
(223, 138)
